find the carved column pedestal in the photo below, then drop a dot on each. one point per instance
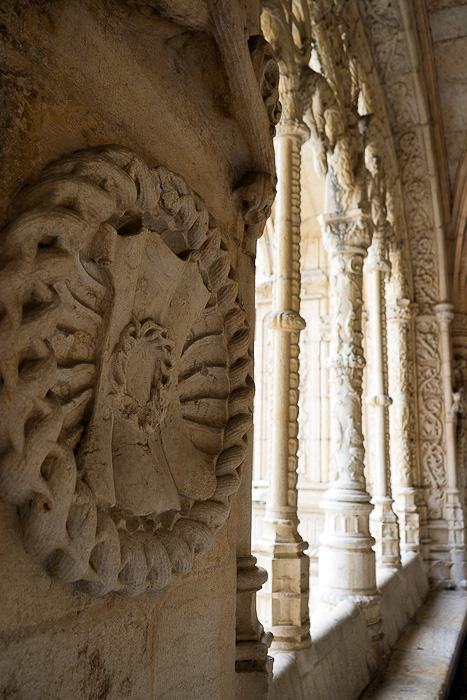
(402, 422)
(253, 666)
(346, 558)
(453, 507)
(384, 526)
(283, 602)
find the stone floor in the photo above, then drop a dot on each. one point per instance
(423, 662)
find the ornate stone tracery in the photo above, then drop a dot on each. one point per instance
(126, 391)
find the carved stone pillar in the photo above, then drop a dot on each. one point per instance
(283, 601)
(346, 558)
(384, 526)
(453, 509)
(253, 666)
(400, 314)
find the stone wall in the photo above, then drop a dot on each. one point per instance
(120, 452)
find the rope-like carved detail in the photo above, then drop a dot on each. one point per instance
(62, 270)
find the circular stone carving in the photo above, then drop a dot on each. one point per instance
(127, 392)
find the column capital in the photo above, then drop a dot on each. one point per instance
(346, 232)
(294, 128)
(444, 313)
(401, 309)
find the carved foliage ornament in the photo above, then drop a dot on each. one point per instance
(126, 394)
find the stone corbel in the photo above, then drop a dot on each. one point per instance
(255, 193)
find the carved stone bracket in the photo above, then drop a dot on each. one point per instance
(127, 392)
(256, 193)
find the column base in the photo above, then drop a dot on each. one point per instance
(455, 517)
(405, 506)
(283, 603)
(346, 556)
(252, 641)
(385, 529)
(253, 669)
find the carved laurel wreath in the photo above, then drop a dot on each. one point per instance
(65, 228)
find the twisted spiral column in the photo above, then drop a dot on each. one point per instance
(383, 520)
(283, 601)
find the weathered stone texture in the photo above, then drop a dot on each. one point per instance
(163, 83)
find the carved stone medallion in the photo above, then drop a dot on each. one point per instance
(126, 394)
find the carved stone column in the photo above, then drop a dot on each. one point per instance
(253, 666)
(384, 526)
(283, 601)
(347, 559)
(453, 509)
(400, 314)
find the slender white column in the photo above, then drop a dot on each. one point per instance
(283, 601)
(346, 558)
(453, 510)
(383, 521)
(402, 414)
(324, 403)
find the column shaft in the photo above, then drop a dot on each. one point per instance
(453, 510)
(384, 526)
(346, 559)
(402, 422)
(283, 602)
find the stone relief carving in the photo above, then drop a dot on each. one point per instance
(402, 428)
(256, 191)
(385, 35)
(346, 241)
(267, 75)
(127, 392)
(287, 27)
(430, 406)
(329, 93)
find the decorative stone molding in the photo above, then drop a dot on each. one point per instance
(325, 329)
(267, 74)
(386, 36)
(252, 641)
(127, 391)
(290, 321)
(286, 25)
(380, 401)
(346, 243)
(351, 229)
(430, 399)
(330, 111)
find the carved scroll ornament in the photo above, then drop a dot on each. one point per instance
(126, 393)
